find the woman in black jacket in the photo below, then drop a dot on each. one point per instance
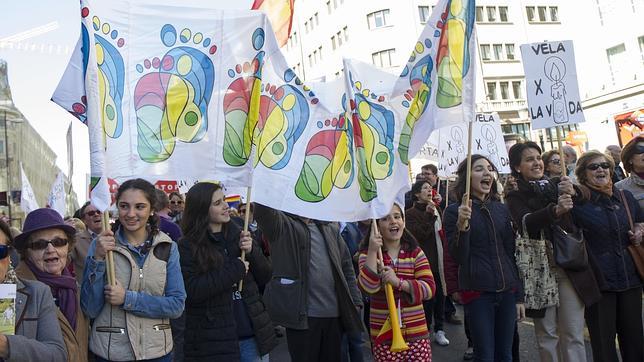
(222, 324)
(481, 241)
(543, 202)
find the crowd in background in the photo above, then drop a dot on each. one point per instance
(191, 284)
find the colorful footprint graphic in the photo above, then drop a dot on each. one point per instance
(417, 97)
(271, 117)
(328, 161)
(111, 76)
(171, 101)
(453, 58)
(373, 138)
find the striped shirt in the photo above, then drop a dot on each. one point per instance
(412, 266)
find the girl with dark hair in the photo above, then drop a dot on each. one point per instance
(405, 267)
(218, 327)
(481, 241)
(538, 203)
(131, 318)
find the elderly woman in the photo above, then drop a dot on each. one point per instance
(552, 166)
(602, 211)
(44, 246)
(633, 161)
(37, 332)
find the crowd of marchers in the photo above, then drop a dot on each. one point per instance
(178, 278)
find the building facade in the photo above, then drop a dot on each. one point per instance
(384, 32)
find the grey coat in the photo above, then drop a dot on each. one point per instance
(38, 333)
(286, 295)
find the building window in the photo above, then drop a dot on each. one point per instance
(383, 58)
(485, 51)
(516, 89)
(554, 14)
(339, 37)
(509, 51)
(345, 32)
(306, 26)
(328, 7)
(491, 13)
(320, 52)
(378, 19)
(317, 19)
(542, 13)
(423, 13)
(503, 14)
(617, 61)
(479, 14)
(333, 42)
(498, 51)
(310, 60)
(505, 90)
(530, 13)
(491, 91)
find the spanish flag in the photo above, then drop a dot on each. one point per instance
(280, 13)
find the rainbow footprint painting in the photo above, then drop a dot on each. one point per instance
(111, 76)
(271, 117)
(171, 98)
(328, 162)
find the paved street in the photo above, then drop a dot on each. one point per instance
(458, 344)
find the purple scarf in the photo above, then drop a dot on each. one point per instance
(63, 288)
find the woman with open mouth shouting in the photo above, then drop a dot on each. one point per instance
(132, 317)
(538, 203)
(405, 267)
(606, 213)
(482, 242)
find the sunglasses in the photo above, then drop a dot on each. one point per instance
(594, 166)
(639, 149)
(176, 202)
(93, 213)
(555, 162)
(4, 251)
(41, 244)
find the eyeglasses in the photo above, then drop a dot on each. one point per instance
(41, 244)
(4, 251)
(555, 162)
(639, 149)
(176, 202)
(93, 212)
(594, 166)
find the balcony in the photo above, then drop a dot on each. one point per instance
(503, 105)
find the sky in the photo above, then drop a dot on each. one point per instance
(34, 75)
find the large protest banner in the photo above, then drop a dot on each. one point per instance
(487, 140)
(190, 92)
(551, 84)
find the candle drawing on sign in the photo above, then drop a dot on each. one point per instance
(489, 134)
(555, 70)
(457, 136)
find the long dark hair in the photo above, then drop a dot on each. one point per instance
(149, 191)
(458, 187)
(515, 154)
(195, 225)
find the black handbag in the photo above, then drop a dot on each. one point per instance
(569, 249)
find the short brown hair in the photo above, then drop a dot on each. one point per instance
(585, 159)
(546, 156)
(629, 151)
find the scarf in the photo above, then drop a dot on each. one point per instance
(63, 288)
(10, 277)
(606, 189)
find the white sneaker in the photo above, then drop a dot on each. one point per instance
(441, 339)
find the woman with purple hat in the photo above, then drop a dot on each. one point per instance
(37, 332)
(44, 246)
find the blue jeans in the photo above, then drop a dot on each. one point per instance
(352, 347)
(248, 351)
(492, 318)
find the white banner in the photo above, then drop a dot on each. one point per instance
(56, 199)
(28, 201)
(170, 96)
(487, 140)
(551, 84)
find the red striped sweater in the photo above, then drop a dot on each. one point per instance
(413, 267)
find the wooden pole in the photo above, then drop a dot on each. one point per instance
(246, 222)
(109, 258)
(468, 175)
(562, 155)
(446, 192)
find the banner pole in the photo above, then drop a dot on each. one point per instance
(562, 155)
(468, 179)
(246, 223)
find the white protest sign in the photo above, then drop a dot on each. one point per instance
(551, 84)
(487, 140)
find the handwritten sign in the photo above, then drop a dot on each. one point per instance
(551, 84)
(487, 140)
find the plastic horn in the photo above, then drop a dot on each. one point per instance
(398, 343)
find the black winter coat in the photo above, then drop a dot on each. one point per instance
(485, 252)
(211, 332)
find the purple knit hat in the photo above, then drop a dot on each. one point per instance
(41, 219)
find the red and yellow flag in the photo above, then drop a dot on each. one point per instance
(280, 13)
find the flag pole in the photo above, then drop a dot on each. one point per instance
(246, 223)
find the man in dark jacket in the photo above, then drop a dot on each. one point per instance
(313, 292)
